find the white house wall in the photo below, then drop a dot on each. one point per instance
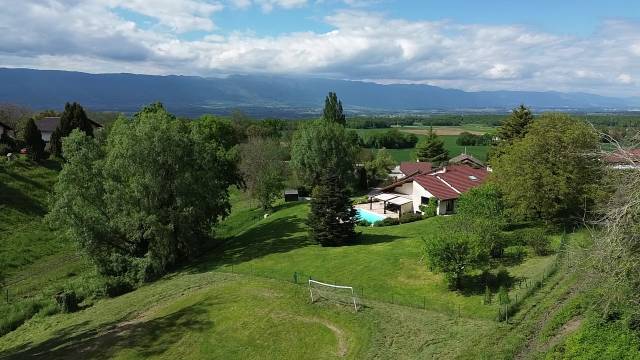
(418, 193)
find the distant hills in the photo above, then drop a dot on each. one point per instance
(265, 96)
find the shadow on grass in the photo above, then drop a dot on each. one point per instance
(476, 284)
(17, 200)
(149, 338)
(272, 236)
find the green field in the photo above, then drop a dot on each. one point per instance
(449, 142)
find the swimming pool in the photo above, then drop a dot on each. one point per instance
(369, 216)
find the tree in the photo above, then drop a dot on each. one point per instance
(73, 117)
(139, 217)
(378, 168)
(516, 125)
(480, 211)
(263, 169)
(514, 128)
(432, 149)
(333, 110)
(33, 141)
(321, 145)
(332, 218)
(551, 173)
(455, 253)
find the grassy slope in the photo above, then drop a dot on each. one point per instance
(213, 313)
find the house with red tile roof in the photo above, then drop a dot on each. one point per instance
(442, 185)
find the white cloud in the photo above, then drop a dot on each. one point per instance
(268, 5)
(360, 45)
(179, 15)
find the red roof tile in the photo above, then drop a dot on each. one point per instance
(443, 184)
(408, 167)
(436, 187)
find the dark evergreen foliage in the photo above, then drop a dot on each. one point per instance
(33, 141)
(332, 218)
(73, 117)
(432, 149)
(333, 109)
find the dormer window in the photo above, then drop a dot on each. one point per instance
(473, 178)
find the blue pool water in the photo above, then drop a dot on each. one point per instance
(369, 216)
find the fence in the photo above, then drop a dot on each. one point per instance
(528, 286)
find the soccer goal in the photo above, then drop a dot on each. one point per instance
(337, 293)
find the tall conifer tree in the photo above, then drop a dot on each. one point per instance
(333, 109)
(432, 149)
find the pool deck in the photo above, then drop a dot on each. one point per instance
(377, 208)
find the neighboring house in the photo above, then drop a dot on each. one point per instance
(444, 185)
(467, 159)
(5, 129)
(623, 159)
(49, 124)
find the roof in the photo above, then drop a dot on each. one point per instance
(452, 180)
(463, 177)
(436, 187)
(50, 123)
(623, 156)
(291, 192)
(5, 126)
(466, 158)
(410, 167)
(400, 201)
(385, 196)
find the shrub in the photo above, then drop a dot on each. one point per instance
(18, 313)
(67, 301)
(503, 296)
(387, 222)
(429, 210)
(116, 286)
(363, 222)
(538, 240)
(517, 253)
(411, 217)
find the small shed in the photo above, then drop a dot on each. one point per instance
(291, 195)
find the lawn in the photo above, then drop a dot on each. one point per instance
(24, 190)
(242, 300)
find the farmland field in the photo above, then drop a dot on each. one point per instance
(448, 134)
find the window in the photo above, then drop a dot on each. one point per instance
(424, 200)
(449, 206)
(473, 178)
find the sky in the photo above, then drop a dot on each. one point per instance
(563, 45)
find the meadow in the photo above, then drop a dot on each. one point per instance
(448, 134)
(248, 297)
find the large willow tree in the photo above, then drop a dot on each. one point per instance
(149, 196)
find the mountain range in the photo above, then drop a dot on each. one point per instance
(263, 96)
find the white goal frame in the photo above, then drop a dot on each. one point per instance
(353, 296)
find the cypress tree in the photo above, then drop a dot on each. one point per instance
(33, 140)
(74, 117)
(332, 218)
(514, 128)
(55, 143)
(432, 149)
(333, 109)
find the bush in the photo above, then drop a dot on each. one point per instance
(363, 222)
(429, 210)
(538, 240)
(18, 313)
(387, 222)
(411, 217)
(116, 286)
(67, 301)
(517, 253)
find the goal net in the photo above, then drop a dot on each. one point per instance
(343, 295)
